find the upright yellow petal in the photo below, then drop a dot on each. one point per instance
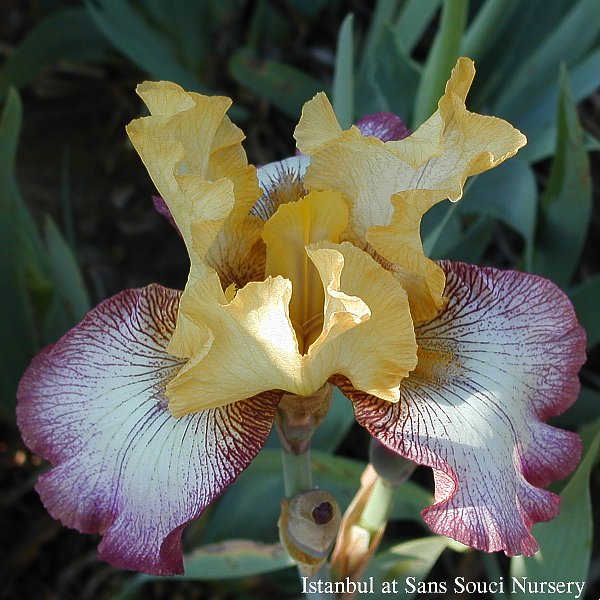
(191, 148)
(455, 143)
(368, 333)
(320, 216)
(452, 145)
(187, 193)
(187, 118)
(318, 124)
(238, 253)
(440, 155)
(164, 98)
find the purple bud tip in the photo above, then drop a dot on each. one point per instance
(161, 207)
(386, 126)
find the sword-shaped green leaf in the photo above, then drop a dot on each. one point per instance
(342, 95)
(567, 203)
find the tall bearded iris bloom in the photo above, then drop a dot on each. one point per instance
(306, 273)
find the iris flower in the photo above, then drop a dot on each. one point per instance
(305, 273)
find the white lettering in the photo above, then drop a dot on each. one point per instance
(516, 583)
(573, 589)
(389, 587)
(459, 587)
(477, 587)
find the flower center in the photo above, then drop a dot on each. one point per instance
(317, 217)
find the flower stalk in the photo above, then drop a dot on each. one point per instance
(310, 518)
(297, 472)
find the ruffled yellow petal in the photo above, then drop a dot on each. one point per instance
(188, 119)
(342, 311)
(237, 254)
(191, 148)
(452, 145)
(318, 124)
(400, 243)
(368, 334)
(320, 216)
(192, 338)
(191, 198)
(440, 155)
(249, 346)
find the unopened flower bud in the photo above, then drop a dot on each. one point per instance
(356, 544)
(391, 467)
(308, 526)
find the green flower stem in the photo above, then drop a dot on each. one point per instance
(297, 472)
(296, 421)
(377, 509)
(297, 478)
(441, 59)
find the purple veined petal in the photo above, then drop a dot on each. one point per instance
(161, 207)
(94, 406)
(384, 125)
(501, 358)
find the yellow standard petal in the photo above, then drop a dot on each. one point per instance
(400, 244)
(194, 156)
(190, 148)
(452, 145)
(318, 125)
(320, 216)
(368, 333)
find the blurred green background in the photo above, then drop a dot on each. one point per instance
(77, 225)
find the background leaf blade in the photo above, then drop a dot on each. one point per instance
(567, 203)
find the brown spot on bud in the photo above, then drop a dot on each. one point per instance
(323, 513)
